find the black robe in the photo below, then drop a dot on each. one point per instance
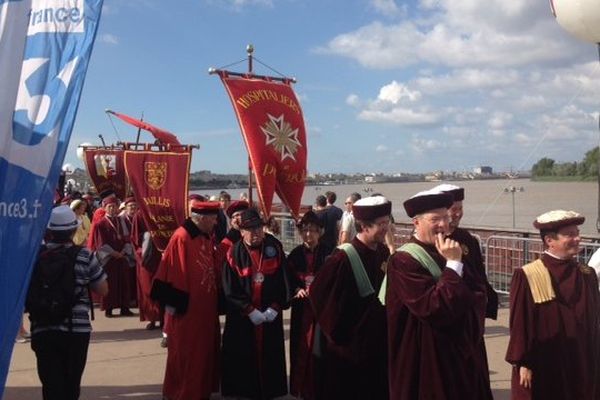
(435, 331)
(253, 357)
(473, 259)
(354, 352)
(303, 368)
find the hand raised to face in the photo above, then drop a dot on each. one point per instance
(448, 248)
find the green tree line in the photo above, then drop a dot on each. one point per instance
(587, 168)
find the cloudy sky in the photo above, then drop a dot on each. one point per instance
(386, 86)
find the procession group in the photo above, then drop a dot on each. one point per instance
(366, 322)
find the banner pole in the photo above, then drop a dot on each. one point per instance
(137, 139)
(249, 51)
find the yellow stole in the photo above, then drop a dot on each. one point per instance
(539, 281)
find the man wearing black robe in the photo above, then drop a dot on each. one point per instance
(350, 317)
(554, 318)
(256, 289)
(435, 310)
(471, 249)
(305, 262)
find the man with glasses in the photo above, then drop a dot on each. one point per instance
(305, 262)
(347, 229)
(471, 249)
(434, 310)
(554, 318)
(234, 213)
(352, 346)
(255, 284)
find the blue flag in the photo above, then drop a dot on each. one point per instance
(45, 47)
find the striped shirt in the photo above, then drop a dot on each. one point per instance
(87, 272)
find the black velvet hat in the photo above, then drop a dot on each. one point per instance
(250, 219)
(309, 217)
(371, 208)
(426, 201)
(236, 206)
(457, 192)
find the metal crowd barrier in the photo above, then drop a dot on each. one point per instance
(502, 254)
(505, 253)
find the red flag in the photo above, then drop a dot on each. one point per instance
(106, 170)
(159, 181)
(272, 125)
(165, 137)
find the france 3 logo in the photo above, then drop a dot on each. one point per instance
(56, 48)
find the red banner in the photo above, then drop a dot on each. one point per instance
(106, 170)
(163, 136)
(272, 125)
(159, 181)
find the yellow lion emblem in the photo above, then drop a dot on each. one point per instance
(155, 174)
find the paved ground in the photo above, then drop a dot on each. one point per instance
(125, 361)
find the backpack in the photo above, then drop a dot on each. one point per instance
(51, 295)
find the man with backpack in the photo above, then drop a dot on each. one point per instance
(58, 303)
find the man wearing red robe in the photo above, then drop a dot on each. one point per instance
(255, 284)
(352, 344)
(305, 261)
(111, 238)
(435, 309)
(188, 266)
(554, 318)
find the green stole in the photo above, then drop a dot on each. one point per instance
(358, 269)
(418, 253)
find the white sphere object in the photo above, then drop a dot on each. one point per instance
(581, 18)
(68, 168)
(80, 150)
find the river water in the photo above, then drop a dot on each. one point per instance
(486, 202)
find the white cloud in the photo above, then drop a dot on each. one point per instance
(422, 145)
(468, 78)
(240, 5)
(381, 148)
(353, 100)
(108, 38)
(386, 7)
(491, 81)
(378, 46)
(499, 120)
(462, 33)
(531, 101)
(400, 116)
(395, 92)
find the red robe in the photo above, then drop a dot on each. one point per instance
(558, 340)
(435, 331)
(188, 263)
(112, 235)
(97, 217)
(149, 309)
(353, 353)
